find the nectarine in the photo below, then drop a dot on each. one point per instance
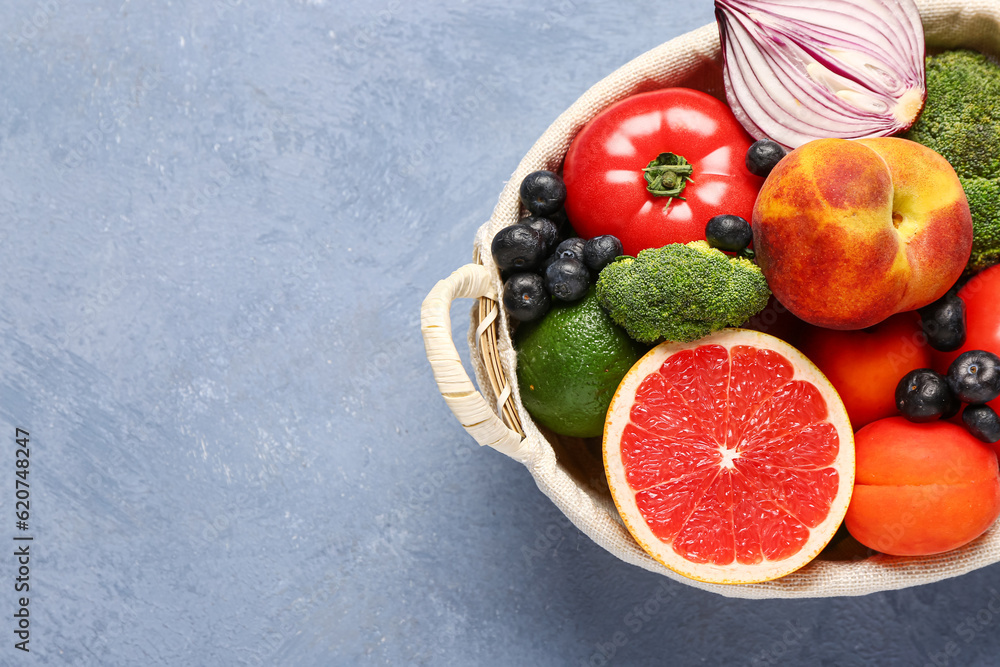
(850, 232)
(981, 296)
(866, 365)
(921, 489)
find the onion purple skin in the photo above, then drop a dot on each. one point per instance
(799, 70)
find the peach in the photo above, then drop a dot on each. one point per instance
(851, 232)
(921, 489)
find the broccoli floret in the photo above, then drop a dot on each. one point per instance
(961, 121)
(681, 292)
(984, 200)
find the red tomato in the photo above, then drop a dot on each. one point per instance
(982, 316)
(603, 171)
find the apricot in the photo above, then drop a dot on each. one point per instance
(921, 489)
(865, 365)
(848, 233)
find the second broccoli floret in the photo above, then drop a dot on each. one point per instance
(984, 202)
(961, 121)
(681, 292)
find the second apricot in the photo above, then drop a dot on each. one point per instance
(921, 489)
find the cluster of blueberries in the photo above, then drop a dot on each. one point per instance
(973, 378)
(536, 265)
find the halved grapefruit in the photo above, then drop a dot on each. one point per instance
(731, 459)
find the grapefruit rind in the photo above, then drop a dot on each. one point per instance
(624, 496)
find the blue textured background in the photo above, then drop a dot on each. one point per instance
(218, 221)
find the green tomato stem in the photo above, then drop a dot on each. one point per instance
(667, 175)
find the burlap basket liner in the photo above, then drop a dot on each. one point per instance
(562, 467)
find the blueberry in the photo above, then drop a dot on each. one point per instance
(600, 251)
(525, 298)
(728, 232)
(518, 247)
(546, 263)
(545, 227)
(982, 422)
(974, 376)
(923, 395)
(571, 248)
(567, 279)
(543, 192)
(763, 155)
(563, 223)
(943, 323)
(952, 408)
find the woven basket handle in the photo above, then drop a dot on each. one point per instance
(468, 405)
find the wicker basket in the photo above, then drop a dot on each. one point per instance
(568, 470)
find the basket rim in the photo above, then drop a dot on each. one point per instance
(947, 25)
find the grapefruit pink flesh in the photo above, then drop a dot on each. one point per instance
(725, 453)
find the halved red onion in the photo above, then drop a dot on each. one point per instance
(798, 70)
